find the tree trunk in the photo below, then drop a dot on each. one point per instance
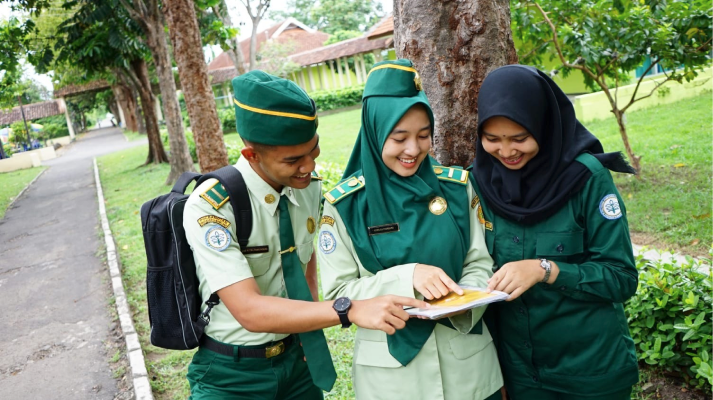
(454, 45)
(140, 120)
(156, 152)
(235, 52)
(192, 69)
(253, 44)
(635, 160)
(156, 40)
(127, 102)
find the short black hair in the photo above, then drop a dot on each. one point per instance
(259, 147)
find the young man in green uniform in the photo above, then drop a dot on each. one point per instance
(267, 289)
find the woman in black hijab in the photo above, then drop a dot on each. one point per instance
(556, 228)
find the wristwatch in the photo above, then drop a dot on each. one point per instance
(547, 267)
(342, 306)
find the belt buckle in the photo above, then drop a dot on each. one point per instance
(275, 350)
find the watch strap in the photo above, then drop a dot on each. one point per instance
(547, 267)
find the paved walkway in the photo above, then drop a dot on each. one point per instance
(54, 286)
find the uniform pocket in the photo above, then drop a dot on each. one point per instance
(466, 346)
(374, 354)
(559, 244)
(259, 263)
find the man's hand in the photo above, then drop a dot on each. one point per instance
(432, 282)
(385, 313)
(514, 278)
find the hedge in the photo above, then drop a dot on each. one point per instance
(670, 319)
(331, 100)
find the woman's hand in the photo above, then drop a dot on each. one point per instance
(432, 282)
(514, 278)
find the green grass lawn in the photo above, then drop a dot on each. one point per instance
(12, 183)
(659, 205)
(670, 206)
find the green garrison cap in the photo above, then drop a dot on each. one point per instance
(272, 110)
(393, 78)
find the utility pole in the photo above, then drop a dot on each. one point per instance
(22, 111)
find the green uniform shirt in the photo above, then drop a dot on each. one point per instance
(222, 264)
(570, 336)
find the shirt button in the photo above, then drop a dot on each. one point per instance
(522, 310)
(560, 248)
(516, 239)
(526, 344)
(535, 379)
(563, 288)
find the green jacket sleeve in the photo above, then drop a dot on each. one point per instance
(341, 271)
(609, 274)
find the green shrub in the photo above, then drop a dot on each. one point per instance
(670, 319)
(51, 131)
(8, 149)
(331, 174)
(227, 120)
(189, 140)
(233, 152)
(331, 100)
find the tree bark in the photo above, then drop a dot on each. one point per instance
(146, 13)
(192, 69)
(454, 45)
(127, 102)
(140, 73)
(235, 52)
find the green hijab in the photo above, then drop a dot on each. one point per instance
(392, 88)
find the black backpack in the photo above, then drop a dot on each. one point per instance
(174, 299)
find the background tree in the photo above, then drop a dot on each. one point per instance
(331, 16)
(273, 58)
(197, 92)
(256, 14)
(220, 30)
(100, 38)
(146, 13)
(607, 40)
(454, 45)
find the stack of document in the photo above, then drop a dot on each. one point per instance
(472, 297)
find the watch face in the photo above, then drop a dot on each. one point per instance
(342, 304)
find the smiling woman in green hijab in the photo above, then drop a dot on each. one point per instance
(399, 223)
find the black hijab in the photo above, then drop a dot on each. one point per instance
(538, 190)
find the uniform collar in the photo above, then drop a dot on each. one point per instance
(265, 194)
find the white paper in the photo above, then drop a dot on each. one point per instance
(435, 312)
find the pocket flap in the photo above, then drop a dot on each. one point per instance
(304, 251)
(375, 354)
(465, 346)
(259, 264)
(560, 243)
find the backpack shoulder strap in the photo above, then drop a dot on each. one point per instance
(232, 180)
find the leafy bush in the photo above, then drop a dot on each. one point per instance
(331, 100)
(189, 141)
(233, 152)
(51, 131)
(8, 150)
(670, 319)
(227, 120)
(331, 174)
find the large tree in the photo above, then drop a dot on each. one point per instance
(187, 50)
(148, 16)
(256, 11)
(608, 40)
(454, 45)
(221, 31)
(332, 16)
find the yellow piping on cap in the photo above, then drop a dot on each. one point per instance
(408, 69)
(275, 113)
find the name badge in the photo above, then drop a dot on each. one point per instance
(379, 229)
(255, 250)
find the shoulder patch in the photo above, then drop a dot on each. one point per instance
(315, 176)
(609, 207)
(213, 219)
(343, 189)
(326, 219)
(475, 201)
(216, 195)
(451, 174)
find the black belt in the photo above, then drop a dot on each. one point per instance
(269, 350)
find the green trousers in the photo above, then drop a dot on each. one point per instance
(526, 393)
(214, 376)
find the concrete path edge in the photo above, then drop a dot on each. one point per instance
(26, 187)
(139, 374)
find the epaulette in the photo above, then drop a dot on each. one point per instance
(451, 174)
(345, 188)
(315, 176)
(216, 195)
